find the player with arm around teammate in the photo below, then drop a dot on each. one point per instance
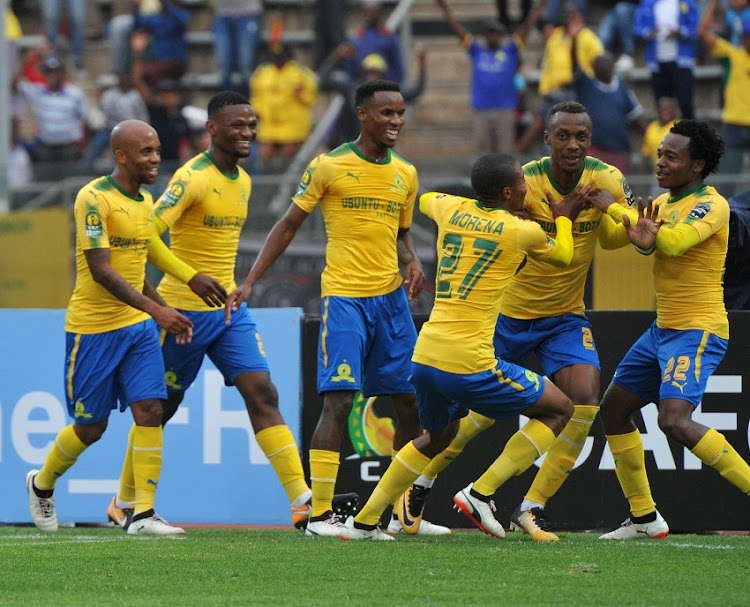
(112, 341)
(686, 229)
(542, 311)
(480, 246)
(204, 207)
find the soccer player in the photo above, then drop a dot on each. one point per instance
(543, 312)
(480, 247)
(367, 194)
(204, 207)
(111, 344)
(687, 230)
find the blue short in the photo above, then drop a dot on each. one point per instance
(499, 393)
(101, 369)
(366, 343)
(557, 341)
(666, 363)
(235, 348)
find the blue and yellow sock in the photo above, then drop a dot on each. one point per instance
(529, 443)
(64, 453)
(469, 427)
(403, 471)
(147, 457)
(324, 468)
(714, 450)
(630, 467)
(280, 448)
(126, 492)
(562, 455)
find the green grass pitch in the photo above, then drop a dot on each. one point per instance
(104, 566)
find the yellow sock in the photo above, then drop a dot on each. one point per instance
(278, 444)
(530, 442)
(403, 471)
(562, 455)
(64, 453)
(630, 467)
(469, 427)
(147, 448)
(714, 450)
(324, 468)
(126, 492)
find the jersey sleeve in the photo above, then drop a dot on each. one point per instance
(90, 212)
(706, 218)
(183, 191)
(615, 183)
(312, 185)
(556, 251)
(407, 212)
(612, 234)
(433, 204)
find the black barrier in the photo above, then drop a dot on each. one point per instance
(691, 497)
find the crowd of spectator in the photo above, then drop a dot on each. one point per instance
(580, 60)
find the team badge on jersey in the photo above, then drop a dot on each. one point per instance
(94, 227)
(629, 196)
(398, 185)
(699, 211)
(172, 196)
(304, 182)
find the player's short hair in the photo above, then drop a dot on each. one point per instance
(567, 107)
(705, 143)
(367, 90)
(493, 172)
(224, 99)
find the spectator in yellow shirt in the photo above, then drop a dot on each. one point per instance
(735, 115)
(556, 78)
(656, 130)
(282, 93)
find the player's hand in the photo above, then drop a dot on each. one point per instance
(523, 213)
(234, 301)
(643, 233)
(601, 199)
(572, 204)
(208, 289)
(414, 278)
(175, 323)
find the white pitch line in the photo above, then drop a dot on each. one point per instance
(36, 540)
(661, 544)
(41, 539)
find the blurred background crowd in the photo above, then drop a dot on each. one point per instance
(478, 76)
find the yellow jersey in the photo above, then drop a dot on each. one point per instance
(283, 97)
(540, 290)
(204, 210)
(478, 251)
(364, 203)
(557, 64)
(737, 90)
(689, 291)
(107, 217)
